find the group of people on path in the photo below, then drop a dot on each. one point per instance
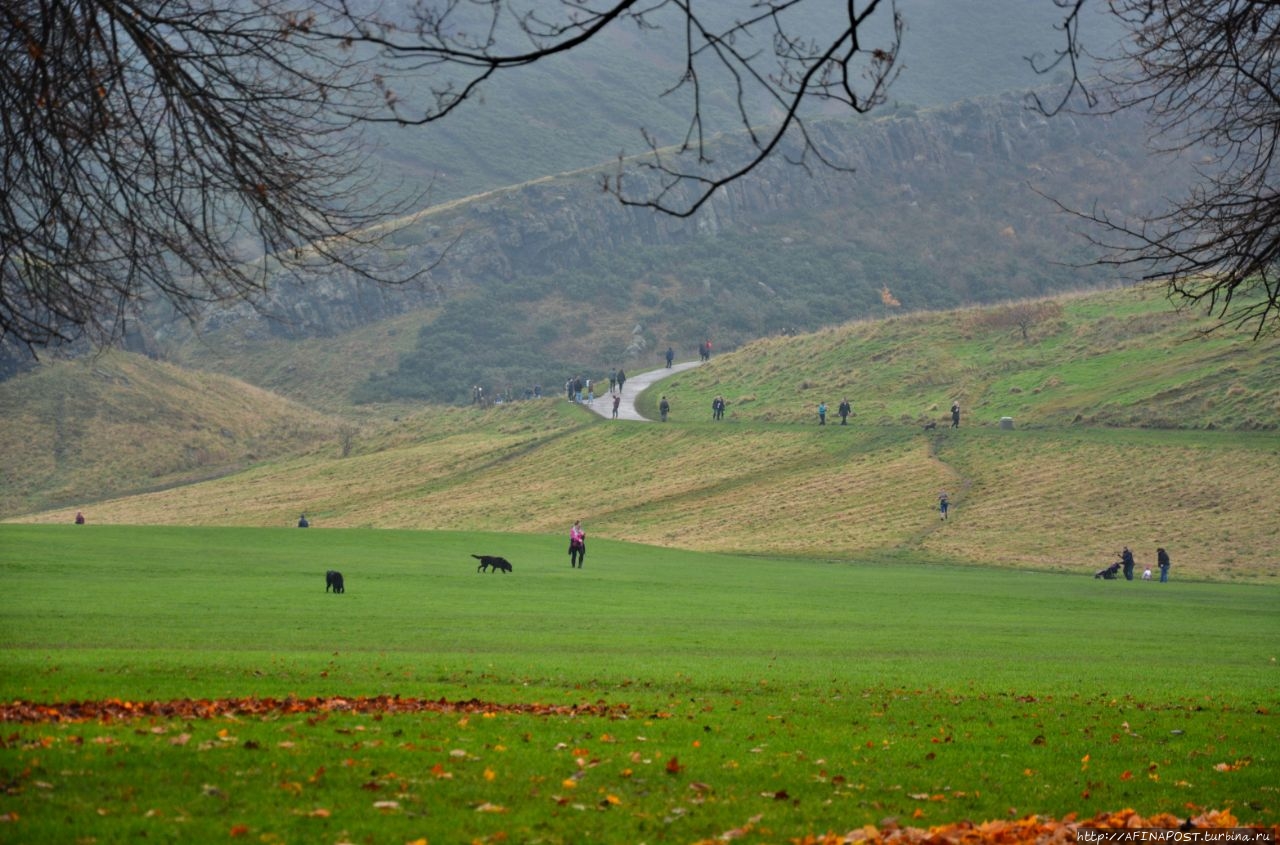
(583, 390)
(704, 353)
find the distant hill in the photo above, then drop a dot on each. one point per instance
(78, 431)
(551, 278)
(586, 107)
(1130, 427)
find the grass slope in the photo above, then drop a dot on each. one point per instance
(772, 698)
(75, 431)
(1065, 490)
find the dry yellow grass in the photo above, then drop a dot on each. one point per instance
(76, 430)
(1073, 500)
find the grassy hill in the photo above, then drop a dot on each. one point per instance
(1094, 462)
(77, 431)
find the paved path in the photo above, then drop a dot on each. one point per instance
(603, 405)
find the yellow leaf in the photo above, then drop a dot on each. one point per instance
(489, 774)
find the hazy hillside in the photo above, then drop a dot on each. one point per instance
(1066, 488)
(588, 106)
(553, 277)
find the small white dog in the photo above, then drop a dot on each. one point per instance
(1146, 574)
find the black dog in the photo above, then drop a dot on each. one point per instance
(333, 579)
(487, 561)
(930, 425)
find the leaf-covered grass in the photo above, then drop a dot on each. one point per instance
(777, 697)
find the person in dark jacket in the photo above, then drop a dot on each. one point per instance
(1126, 558)
(1162, 560)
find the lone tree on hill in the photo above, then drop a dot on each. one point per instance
(186, 150)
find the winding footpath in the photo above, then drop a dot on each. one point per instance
(634, 385)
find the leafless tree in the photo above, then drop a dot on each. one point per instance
(181, 150)
(1019, 315)
(1207, 72)
(187, 151)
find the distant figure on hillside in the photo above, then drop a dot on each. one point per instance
(944, 504)
(622, 379)
(706, 350)
(717, 408)
(1126, 559)
(613, 380)
(844, 411)
(79, 518)
(617, 400)
(955, 414)
(671, 356)
(1162, 560)
(822, 413)
(302, 521)
(577, 544)
(664, 407)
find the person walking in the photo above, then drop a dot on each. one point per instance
(577, 545)
(955, 414)
(664, 407)
(844, 411)
(671, 356)
(1162, 560)
(944, 504)
(617, 400)
(822, 413)
(1126, 558)
(622, 379)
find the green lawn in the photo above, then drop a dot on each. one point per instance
(777, 698)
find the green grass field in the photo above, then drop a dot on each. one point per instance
(758, 698)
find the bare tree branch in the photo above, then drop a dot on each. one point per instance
(184, 151)
(1207, 74)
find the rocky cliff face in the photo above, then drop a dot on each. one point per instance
(560, 224)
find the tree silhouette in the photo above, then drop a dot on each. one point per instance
(1205, 71)
(188, 151)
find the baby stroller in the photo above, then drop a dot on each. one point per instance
(1108, 573)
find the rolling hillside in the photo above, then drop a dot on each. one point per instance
(1092, 464)
(77, 431)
